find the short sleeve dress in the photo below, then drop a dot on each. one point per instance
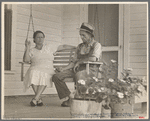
(41, 69)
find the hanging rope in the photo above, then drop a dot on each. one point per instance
(30, 20)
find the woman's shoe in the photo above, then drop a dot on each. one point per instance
(39, 102)
(33, 102)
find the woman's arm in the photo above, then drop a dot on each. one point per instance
(26, 57)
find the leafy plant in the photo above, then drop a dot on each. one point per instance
(109, 88)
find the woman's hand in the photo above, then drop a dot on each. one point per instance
(27, 43)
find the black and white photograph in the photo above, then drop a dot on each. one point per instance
(74, 60)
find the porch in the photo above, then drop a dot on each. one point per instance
(18, 107)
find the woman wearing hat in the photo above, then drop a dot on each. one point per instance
(88, 50)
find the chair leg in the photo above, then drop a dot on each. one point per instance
(87, 68)
(22, 71)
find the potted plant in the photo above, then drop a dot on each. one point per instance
(109, 91)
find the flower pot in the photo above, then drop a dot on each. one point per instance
(119, 110)
(105, 113)
(85, 109)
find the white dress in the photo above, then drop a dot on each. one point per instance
(41, 69)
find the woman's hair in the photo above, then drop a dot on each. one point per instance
(35, 33)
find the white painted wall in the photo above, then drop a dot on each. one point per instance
(47, 18)
(138, 39)
(58, 22)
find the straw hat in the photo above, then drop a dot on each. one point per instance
(87, 28)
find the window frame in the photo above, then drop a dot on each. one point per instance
(13, 7)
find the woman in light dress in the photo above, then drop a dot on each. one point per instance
(39, 74)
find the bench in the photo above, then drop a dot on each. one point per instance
(62, 58)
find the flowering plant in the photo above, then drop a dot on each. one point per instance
(110, 88)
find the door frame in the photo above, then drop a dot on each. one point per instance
(122, 55)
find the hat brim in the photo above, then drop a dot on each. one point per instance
(80, 29)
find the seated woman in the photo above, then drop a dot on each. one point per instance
(41, 69)
(89, 50)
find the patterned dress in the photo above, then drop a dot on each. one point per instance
(41, 69)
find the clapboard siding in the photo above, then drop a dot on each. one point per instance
(138, 65)
(9, 92)
(138, 30)
(140, 23)
(39, 22)
(71, 21)
(47, 18)
(136, 53)
(138, 59)
(138, 39)
(138, 45)
(52, 31)
(40, 15)
(71, 9)
(139, 72)
(41, 8)
(138, 16)
(138, 8)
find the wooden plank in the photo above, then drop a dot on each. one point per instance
(61, 61)
(140, 72)
(54, 6)
(71, 21)
(23, 33)
(138, 16)
(41, 22)
(18, 70)
(11, 92)
(39, 15)
(63, 54)
(40, 8)
(138, 65)
(59, 65)
(71, 27)
(9, 77)
(138, 38)
(61, 58)
(138, 8)
(13, 85)
(138, 59)
(137, 31)
(139, 23)
(71, 34)
(71, 40)
(71, 10)
(24, 26)
(138, 45)
(111, 48)
(138, 52)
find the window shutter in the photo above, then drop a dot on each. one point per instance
(7, 38)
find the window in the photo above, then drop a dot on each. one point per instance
(7, 37)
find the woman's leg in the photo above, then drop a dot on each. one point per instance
(35, 88)
(40, 90)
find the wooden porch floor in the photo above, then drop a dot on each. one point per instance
(18, 107)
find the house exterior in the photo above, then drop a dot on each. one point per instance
(59, 22)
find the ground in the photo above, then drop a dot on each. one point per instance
(18, 107)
